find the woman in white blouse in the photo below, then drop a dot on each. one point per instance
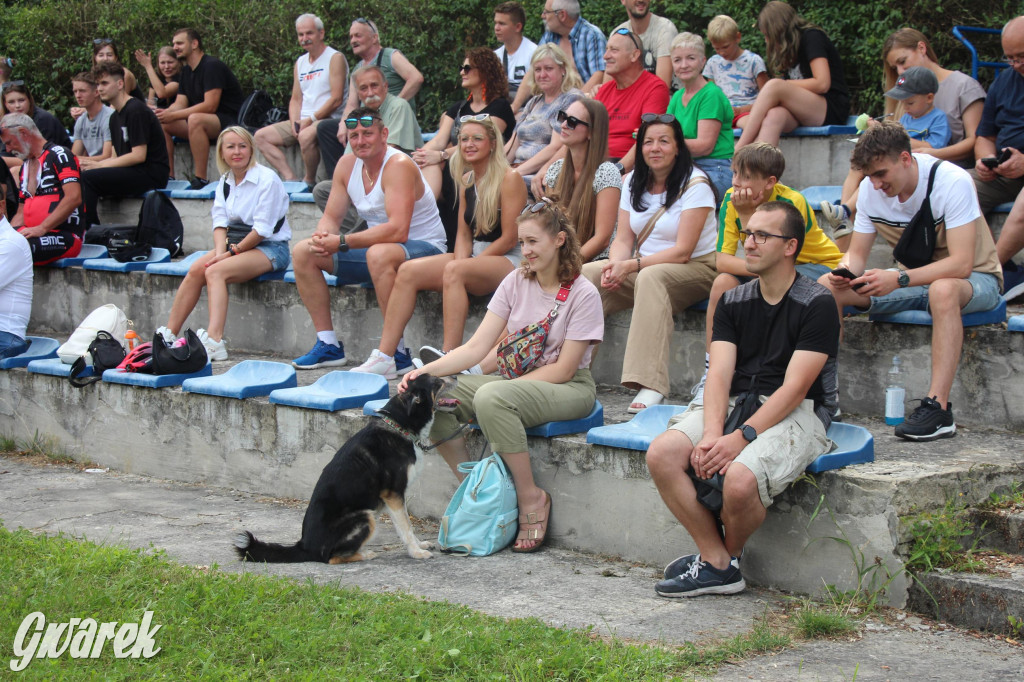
(250, 238)
(665, 261)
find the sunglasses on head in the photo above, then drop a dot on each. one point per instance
(667, 119)
(632, 36)
(470, 118)
(365, 121)
(102, 41)
(538, 207)
(367, 22)
(570, 121)
(11, 84)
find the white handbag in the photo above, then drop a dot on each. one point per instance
(107, 318)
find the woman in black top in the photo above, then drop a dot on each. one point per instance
(18, 100)
(163, 79)
(811, 91)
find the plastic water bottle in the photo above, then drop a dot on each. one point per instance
(895, 394)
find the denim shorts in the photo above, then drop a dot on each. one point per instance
(350, 267)
(719, 171)
(813, 270)
(278, 253)
(514, 256)
(985, 297)
(11, 345)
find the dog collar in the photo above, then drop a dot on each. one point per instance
(395, 425)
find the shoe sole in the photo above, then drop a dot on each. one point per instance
(1013, 292)
(387, 377)
(731, 588)
(325, 363)
(944, 432)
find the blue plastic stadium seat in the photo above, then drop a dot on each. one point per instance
(247, 379)
(638, 432)
(111, 265)
(546, 430)
(274, 275)
(819, 193)
(204, 193)
(54, 367)
(118, 376)
(174, 185)
(334, 391)
(88, 252)
(699, 305)
(294, 186)
(39, 348)
(853, 445)
(922, 317)
(427, 137)
(177, 268)
(301, 198)
(1016, 323)
(332, 281)
(817, 131)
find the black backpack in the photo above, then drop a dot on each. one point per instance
(258, 110)
(160, 224)
(107, 353)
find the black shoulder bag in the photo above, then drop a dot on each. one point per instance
(917, 243)
(107, 353)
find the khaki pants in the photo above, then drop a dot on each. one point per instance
(504, 409)
(655, 294)
(997, 191)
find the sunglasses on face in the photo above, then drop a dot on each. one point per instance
(470, 118)
(667, 119)
(570, 121)
(465, 68)
(632, 37)
(365, 121)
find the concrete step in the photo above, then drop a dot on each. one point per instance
(604, 499)
(985, 392)
(979, 601)
(998, 529)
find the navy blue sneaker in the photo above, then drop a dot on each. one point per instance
(680, 565)
(928, 422)
(403, 362)
(1013, 281)
(322, 355)
(703, 578)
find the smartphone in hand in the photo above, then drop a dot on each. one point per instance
(845, 272)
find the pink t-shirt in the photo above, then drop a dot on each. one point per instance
(648, 94)
(521, 301)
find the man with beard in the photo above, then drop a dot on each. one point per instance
(655, 34)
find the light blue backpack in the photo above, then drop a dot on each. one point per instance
(483, 516)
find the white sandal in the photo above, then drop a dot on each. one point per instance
(645, 397)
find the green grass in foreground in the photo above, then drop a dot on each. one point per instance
(243, 626)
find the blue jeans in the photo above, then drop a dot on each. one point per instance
(812, 270)
(350, 267)
(11, 345)
(985, 297)
(719, 172)
(277, 252)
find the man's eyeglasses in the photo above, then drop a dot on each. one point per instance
(761, 237)
(570, 121)
(365, 121)
(632, 36)
(10, 84)
(367, 22)
(1013, 61)
(667, 119)
(465, 68)
(474, 118)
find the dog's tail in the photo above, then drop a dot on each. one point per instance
(248, 547)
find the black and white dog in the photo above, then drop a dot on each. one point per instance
(373, 469)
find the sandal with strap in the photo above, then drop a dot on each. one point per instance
(538, 535)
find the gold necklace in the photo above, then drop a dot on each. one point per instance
(372, 181)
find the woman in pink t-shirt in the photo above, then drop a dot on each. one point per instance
(558, 387)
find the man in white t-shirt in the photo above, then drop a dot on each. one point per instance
(15, 283)
(962, 276)
(319, 89)
(516, 50)
(655, 34)
(92, 129)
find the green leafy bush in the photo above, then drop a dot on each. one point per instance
(51, 40)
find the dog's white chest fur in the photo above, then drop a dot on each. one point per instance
(417, 466)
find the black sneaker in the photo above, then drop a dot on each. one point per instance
(928, 422)
(198, 183)
(680, 565)
(703, 578)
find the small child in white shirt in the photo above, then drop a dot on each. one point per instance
(739, 73)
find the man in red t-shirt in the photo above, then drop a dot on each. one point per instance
(630, 93)
(50, 194)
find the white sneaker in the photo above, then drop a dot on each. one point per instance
(378, 363)
(836, 222)
(698, 390)
(215, 350)
(429, 354)
(169, 337)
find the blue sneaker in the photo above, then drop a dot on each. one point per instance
(403, 362)
(680, 565)
(1013, 281)
(322, 355)
(703, 578)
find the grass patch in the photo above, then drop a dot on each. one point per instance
(39, 445)
(245, 626)
(813, 622)
(936, 540)
(1012, 498)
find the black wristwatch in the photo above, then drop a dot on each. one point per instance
(904, 279)
(619, 167)
(342, 244)
(749, 434)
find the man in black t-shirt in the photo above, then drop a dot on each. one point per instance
(209, 98)
(777, 336)
(139, 163)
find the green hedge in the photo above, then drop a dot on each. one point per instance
(52, 39)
